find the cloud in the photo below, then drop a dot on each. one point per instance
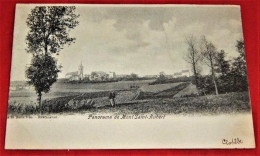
(146, 40)
(138, 39)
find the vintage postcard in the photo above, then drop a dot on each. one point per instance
(128, 77)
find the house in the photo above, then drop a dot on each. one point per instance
(99, 76)
(185, 73)
(72, 76)
(77, 75)
(19, 87)
(111, 75)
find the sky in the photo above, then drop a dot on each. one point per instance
(134, 38)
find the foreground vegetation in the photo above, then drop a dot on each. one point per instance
(210, 104)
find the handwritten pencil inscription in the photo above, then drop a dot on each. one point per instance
(233, 141)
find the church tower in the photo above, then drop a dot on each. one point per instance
(80, 72)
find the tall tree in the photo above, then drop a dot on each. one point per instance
(239, 70)
(192, 57)
(241, 48)
(209, 52)
(49, 27)
(222, 68)
(42, 73)
(222, 65)
(48, 32)
(241, 59)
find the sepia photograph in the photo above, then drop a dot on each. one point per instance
(128, 77)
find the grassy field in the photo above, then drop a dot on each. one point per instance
(100, 99)
(170, 98)
(158, 87)
(61, 89)
(161, 90)
(211, 104)
(95, 87)
(71, 96)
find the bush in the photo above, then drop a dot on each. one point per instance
(22, 108)
(60, 104)
(226, 84)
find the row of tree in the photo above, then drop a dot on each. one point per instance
(225, 75)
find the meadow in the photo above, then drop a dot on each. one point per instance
(172, 98)
(205, 105)
(70, 96)
(61, 89)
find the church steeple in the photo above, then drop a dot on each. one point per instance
(81, 71)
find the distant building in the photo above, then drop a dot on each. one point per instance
(111, 75)
(183, 73)
(77, 75)
(80, 69)
(19, 87)
(99, 76)
(72, 76)
(87, 76)
(94, 76)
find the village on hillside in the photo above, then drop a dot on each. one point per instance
(101, 76)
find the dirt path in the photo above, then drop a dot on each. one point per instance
(189, 90)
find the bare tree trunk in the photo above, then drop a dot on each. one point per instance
(39, 101)
(193, 57)
(209, 53)
(213, 77)
(215, 84)
(195, 77)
